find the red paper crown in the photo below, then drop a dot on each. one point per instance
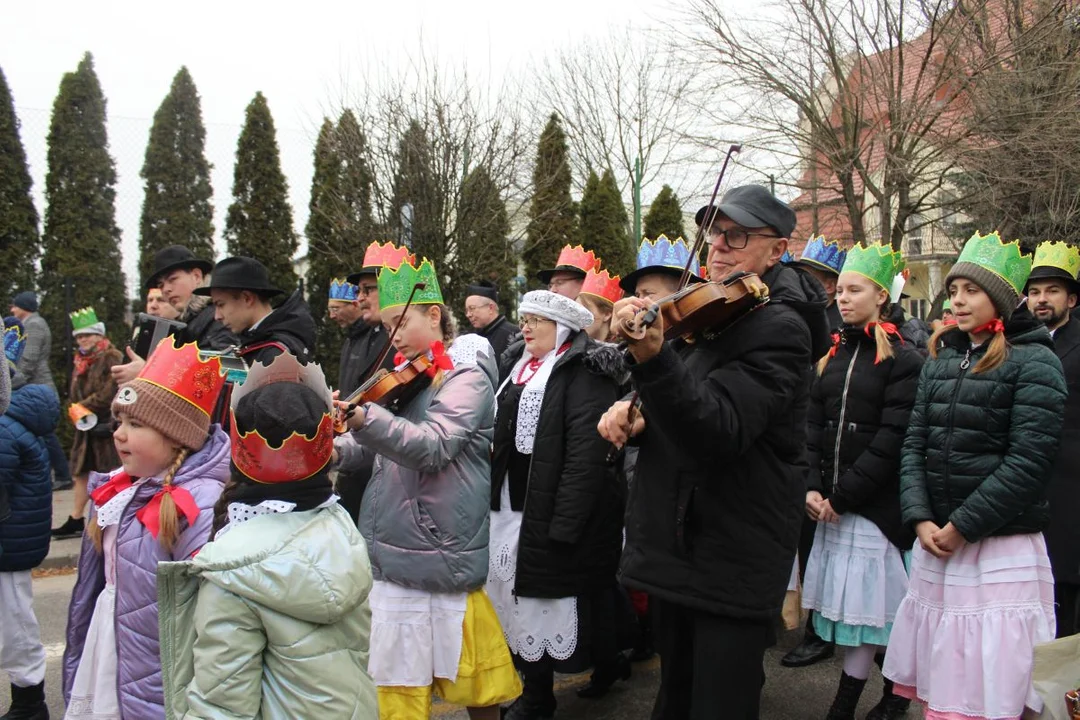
(183, 373)
(388, 255)
(298, 456)
(577, 256)
(602, 285)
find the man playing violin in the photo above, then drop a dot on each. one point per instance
(714, 512)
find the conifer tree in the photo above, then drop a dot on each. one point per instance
(20, 244)
(176, 207)
(415, 185)
(326, 255)
(484, 250)
(259, 222)
(664, 216)
(604, 223)
(81, 242)
(552, 213)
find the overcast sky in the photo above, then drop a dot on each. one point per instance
(302, 56)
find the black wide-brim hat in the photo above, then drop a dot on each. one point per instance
(1049, 272)
(629, 282)
(545, 276)
(240, 273)
(175, 257)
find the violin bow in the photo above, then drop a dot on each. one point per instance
(389, 344)
(710, 215)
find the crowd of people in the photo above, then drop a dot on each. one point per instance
(460, 515)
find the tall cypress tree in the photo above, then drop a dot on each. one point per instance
(664, 216)
(357, 178)
(415, 185)
(552, 213)
(604, 223)
(20, 244)
(484, 250)
(259, 222)
(326, 256)
(176, 207)
(81, 241)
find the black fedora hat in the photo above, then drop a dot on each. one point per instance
(240, 273)
(175, 257)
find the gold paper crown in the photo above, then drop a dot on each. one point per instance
(1058, 255)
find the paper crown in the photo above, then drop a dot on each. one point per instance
(181, 371)
(395, 284)
(342, 289)
(896, 292)
(578, 257)
(14, 340)
(787, 258)
(81, 319)
(824, 254)
(1004, 259)
(878, 263)
(299, 456)
(665, 253)
(1057, 255)
(602, 285)
(389, 255)
(154, 292)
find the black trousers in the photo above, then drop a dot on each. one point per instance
(710, 666)
(1067, 597)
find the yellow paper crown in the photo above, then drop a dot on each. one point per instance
(1058, 255)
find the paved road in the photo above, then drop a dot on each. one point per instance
(789, 694)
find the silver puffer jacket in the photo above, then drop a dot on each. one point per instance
(425, 512)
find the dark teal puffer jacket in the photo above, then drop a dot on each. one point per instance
(980, 447)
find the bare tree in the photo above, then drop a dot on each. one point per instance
(869, 98)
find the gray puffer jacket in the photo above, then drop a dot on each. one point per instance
(425, 511)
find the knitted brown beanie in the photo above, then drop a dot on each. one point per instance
(1001, 293)
(165, 411)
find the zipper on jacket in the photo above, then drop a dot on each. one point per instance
(964, 365)
(840, 423)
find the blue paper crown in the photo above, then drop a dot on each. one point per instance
(14, 339)
(826, 254)
(787, 258)
(341, 289)
(665, 253)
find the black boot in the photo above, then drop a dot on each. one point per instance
(71, 528)
(811, 650)
(602, 680)
(891, 707)
(847, 698)
(537, 701)
(27, 703)
(643, 648)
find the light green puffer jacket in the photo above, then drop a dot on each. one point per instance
(271, 621)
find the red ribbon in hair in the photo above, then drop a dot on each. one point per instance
(994, 326)
(835, 344)
(888, 327)
(150, 514)
(117, 484)
(440, 360)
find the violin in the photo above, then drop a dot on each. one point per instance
(701, 307)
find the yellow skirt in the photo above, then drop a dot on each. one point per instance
(486, 674)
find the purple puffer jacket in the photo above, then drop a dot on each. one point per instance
(141, 695)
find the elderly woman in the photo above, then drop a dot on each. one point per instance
(556, 516)
(92, 391)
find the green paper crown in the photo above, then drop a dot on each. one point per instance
(396, 284)
(1058, 255)
(879, 263)
(1003, 259)
(83, 318)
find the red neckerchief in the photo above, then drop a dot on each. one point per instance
(533, 365)
(150, 514)
(994, 326)
(116, 484)
(889, 329)
(439, 359)
(83, 362)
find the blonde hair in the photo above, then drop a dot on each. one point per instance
(168, 516)
(996, 352)
(881, 340)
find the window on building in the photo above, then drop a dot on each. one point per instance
(917, 307)
(916, 230)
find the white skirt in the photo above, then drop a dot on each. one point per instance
(533, 626)
(415, 635)
(94, 694)
(854, 575)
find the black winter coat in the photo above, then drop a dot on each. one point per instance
(719, 490)
(859, 413)
(290, 324)
(915, 332)
(361, 349)
(499, 332)
(1063, 533)
(571, 531)
(980, 447)
(202, 329)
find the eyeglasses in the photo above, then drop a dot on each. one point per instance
(532, 322)
(736, 238)
(367, 289)
(475, 308)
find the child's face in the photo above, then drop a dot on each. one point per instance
(144, 452)
(972, 307)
